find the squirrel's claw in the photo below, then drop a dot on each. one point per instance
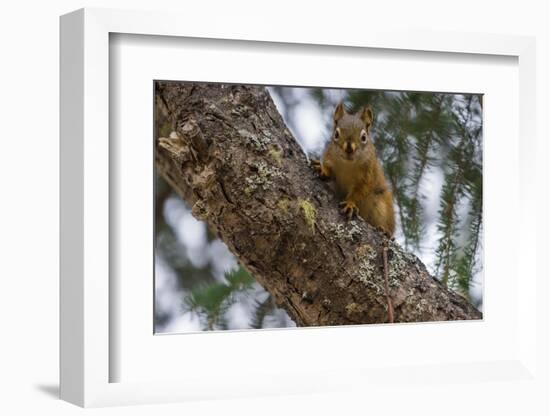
(349, 209)
(385, 232)
(317, 165)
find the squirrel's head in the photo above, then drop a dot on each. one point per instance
(351, 132)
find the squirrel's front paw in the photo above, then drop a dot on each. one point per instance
(382, 230)
(349, 209)
(318, 166)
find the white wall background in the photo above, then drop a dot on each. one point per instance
(29, 199)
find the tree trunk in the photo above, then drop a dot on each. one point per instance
(236, 163)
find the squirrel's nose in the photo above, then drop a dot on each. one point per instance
(349, 148)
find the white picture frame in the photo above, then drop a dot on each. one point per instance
(86, 352)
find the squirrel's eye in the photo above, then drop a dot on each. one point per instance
(364, 136)
(336, 134)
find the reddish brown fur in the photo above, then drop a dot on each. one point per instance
(351, 161)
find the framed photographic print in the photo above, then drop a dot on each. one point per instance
(270, 213)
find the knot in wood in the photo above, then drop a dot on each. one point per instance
(191, 134)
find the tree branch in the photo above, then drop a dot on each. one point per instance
(236, 163)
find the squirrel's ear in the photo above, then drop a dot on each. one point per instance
(367, 116)
(339, 112)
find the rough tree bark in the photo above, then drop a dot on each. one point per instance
(236, 163)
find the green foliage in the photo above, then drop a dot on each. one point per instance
(212, 301)
(457, 251)
(261, 311)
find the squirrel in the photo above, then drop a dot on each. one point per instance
(350, 159)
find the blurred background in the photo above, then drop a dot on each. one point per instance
(430, 145)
